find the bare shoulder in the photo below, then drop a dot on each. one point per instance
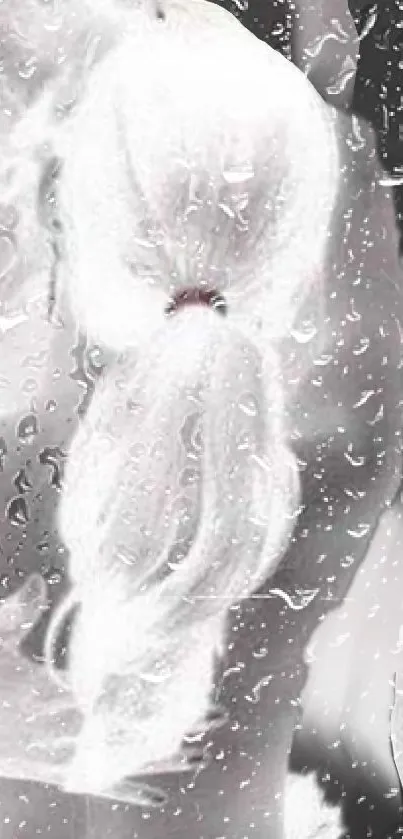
(325, 47)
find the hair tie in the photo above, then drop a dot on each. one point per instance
(197, 297)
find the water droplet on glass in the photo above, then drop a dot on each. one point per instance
(361, 531)
(323, 360)
(278, 29)
(22, 482)
(238, 174)
(3, 452)
(17, 511)
(8, 254)
(189, 476)
(226, 209)
(53, 457)
(42, 547)
(369, 24)
(51, 406)
(347, 562)
(248, 404)
(156, 678)
(5, 581)
(53, 576)
(138, 794)
(299, 599)
(27, 428)
(358, 460)
(378, 416)
(344, 77)
(361, 347)
(245, 442)
(29, 386)
(96, 360)
(257, 689)
(262, 652)
(36, 361)
(365, 396)
(306, 332)
(55, 24)
(28, 67)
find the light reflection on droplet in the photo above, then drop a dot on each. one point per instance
(305, 333)
(248, 405)
(365, 396)
(344, 77)
(358, 460)
(362, 346)
(28, 67)
(238, 174)
(361, 531)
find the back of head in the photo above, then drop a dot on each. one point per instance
(199, 160)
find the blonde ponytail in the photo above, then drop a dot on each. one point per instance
(180, 489)
(187, 514)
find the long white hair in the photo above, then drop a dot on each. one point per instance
(198, 158)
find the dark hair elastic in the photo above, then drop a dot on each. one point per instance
(197, 297)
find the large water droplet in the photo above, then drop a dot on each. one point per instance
(297, 600)
(53, 457)
(17, 511)
(22, 482)
(28, 428)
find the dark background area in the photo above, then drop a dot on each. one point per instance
(377, 98)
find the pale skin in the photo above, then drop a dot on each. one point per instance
(239, 789)
(325, 47)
